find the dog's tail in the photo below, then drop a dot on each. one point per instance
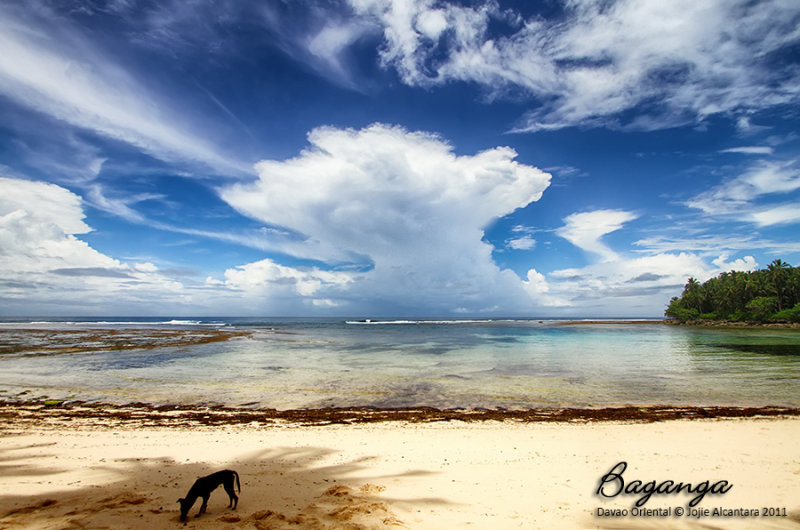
(239, 486)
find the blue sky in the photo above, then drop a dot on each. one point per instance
(376, 158)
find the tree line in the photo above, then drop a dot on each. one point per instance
(765, 295)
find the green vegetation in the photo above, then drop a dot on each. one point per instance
(766, 295)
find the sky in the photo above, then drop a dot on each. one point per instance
(369, 158)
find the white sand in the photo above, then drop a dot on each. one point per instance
(442, 475)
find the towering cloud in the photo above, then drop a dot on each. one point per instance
(402, 204)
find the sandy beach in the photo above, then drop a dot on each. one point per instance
(94, 471)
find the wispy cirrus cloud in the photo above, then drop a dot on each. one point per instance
(740, 196)
(268, 239)
(672, 62)
(714, 243)
(320, 36)
(778, 215)
(750, 150)
(585, 229)
(640, 65)
(49, 67)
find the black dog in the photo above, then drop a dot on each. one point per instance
(203, 488)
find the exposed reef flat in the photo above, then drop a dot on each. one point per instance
(31, 341)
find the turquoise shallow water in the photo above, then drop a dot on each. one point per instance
(295, 363)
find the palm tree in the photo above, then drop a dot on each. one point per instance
(693, 295)
(777, 273)
(734, 294)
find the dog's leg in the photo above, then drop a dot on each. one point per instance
(233, 499)
(203, 506)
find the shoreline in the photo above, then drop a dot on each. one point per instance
(37, 413)
(739, 324)
(620, 322)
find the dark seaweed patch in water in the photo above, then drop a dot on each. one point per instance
(435, 350)
(368, 348)
(508, 340)
(767, 349)
(137, 359)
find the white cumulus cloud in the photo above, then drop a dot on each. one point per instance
(522, 243)
(263, 276)
(46, 266)
(401, 203)
(637, 285)
(621, 283)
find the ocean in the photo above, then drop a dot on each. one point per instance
(287, 363)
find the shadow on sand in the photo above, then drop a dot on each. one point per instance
(281, 488)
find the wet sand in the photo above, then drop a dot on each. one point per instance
(103, 466)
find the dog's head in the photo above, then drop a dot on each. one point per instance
(185, 507)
